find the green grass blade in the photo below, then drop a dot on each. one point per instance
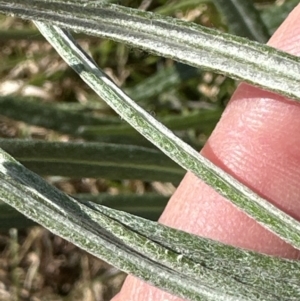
(243, 19)
(112, 161)
(186, 42)
(63, 119)
(94, 230)
(208, 118)
(49, 116)
(26, 34)
(163, 80)
(11, 218)
(258, 208)
(71, 220)
(245, 266)
(148, 206)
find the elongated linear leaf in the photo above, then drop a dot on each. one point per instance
(216, 257)
(26, 34)
(95, 160)
(149, 206)
(163, 80)
(186, 42)
(85, 125)
(272, 16)
(64, 120)
(256, 207)
(11, 218)
(49, 116)
(243, 19)
(208, 118)
(193, 277)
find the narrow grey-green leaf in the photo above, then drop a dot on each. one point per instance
(11, 218)
(26, 34)
(64, 119)
(243, 19)
(183, 41)
(161, 81)
(49, 116)
(208, 119)
(245, 266)
(258, 208)
(192, 278)
(148, 206)
(113, 161)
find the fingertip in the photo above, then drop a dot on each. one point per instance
(287, 36)
(198, 209)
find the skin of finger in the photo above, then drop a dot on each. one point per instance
(257, 141)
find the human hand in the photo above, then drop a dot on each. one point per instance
(257, 141)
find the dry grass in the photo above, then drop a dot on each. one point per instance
(37, 265)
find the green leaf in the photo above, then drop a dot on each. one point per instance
(258, 208)
(208, 117)
(163, 80)
(113, 161)
(49, 116)
(202, 271)
(183, 41)
(74, 121)
(11, 218)
(243, 19)
(64, 119)
(25, 34)
(149, 206)
(245, 266)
